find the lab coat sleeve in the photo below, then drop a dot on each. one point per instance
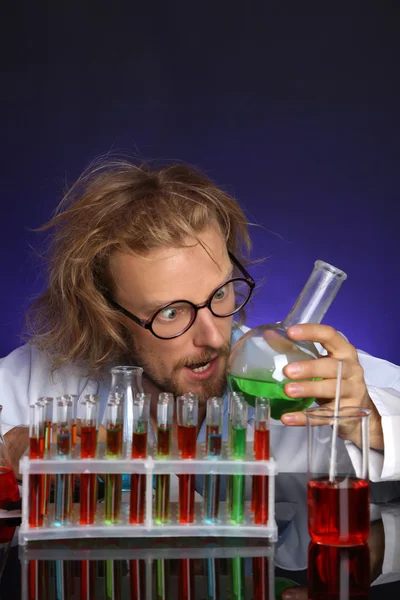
(25, 376)
(383, 383)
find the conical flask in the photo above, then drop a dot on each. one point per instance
(257, 360)
(9, 491)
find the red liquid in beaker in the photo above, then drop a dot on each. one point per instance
(338, 512)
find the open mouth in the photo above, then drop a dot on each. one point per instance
(204, 370)
(201, 367)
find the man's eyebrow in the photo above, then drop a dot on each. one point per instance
(152, 306)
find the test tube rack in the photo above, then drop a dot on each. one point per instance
(151, 466)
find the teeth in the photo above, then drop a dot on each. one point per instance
(200, 369)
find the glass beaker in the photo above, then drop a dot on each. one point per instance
(338, 493)
(257, 360)
(9, 491)
(127, 381)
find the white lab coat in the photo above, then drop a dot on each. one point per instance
(25, 376)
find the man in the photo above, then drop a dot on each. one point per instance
(139, 273)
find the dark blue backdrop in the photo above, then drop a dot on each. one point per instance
(294, 111)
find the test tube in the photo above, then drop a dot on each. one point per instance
(239, 430)
(140, 420)
(63, 492)
(72, 398)
(89, 431)
(165, 413)
(36, 451)
(47, 402)
(261, 452)
(214, 418)
(113, 481)
(187, 395)
(232, 398)
(187, 420)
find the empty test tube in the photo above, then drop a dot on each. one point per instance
(239, 430)
(113, 481)
(140, 420)
(89, 432)
(261, 452)
(165, 413)
(63, 493)
(187, 420)
(36, 451)
(214, 419)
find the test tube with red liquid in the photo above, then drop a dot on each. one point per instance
(63, 489)
(187, 420)
(113, 481)
(47, 402)
(89, 431)
(36, 451)
(140, 421)
(261, 452)
(187, 395)
(214, 417)
(165, 413)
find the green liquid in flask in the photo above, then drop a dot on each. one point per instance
(264, 386)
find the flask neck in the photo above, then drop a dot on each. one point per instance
(317, 295)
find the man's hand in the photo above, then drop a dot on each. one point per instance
(353, 389)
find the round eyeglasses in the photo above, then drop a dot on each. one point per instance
(175, 318)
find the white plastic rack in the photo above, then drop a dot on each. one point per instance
(150, 466)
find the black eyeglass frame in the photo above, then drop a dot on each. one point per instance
(148, 323)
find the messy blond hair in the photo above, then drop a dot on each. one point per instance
(117, 205)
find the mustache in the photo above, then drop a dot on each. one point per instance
(207, 355)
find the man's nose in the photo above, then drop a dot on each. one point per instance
(206, 331)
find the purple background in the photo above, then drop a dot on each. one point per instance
(294, 111)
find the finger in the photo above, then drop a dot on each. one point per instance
(298, 419)
(334, 342)
(318, 389)
(326, 368)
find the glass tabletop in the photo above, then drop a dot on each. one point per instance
(208, 568)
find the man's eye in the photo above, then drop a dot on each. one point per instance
(221, 293)
(168, 314)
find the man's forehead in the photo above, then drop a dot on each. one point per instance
(164, 273)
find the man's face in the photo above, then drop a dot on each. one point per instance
(196, 360)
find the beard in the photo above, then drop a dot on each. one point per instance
(215, 386)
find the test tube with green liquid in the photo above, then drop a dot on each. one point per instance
(165, 412)
(239, 430)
